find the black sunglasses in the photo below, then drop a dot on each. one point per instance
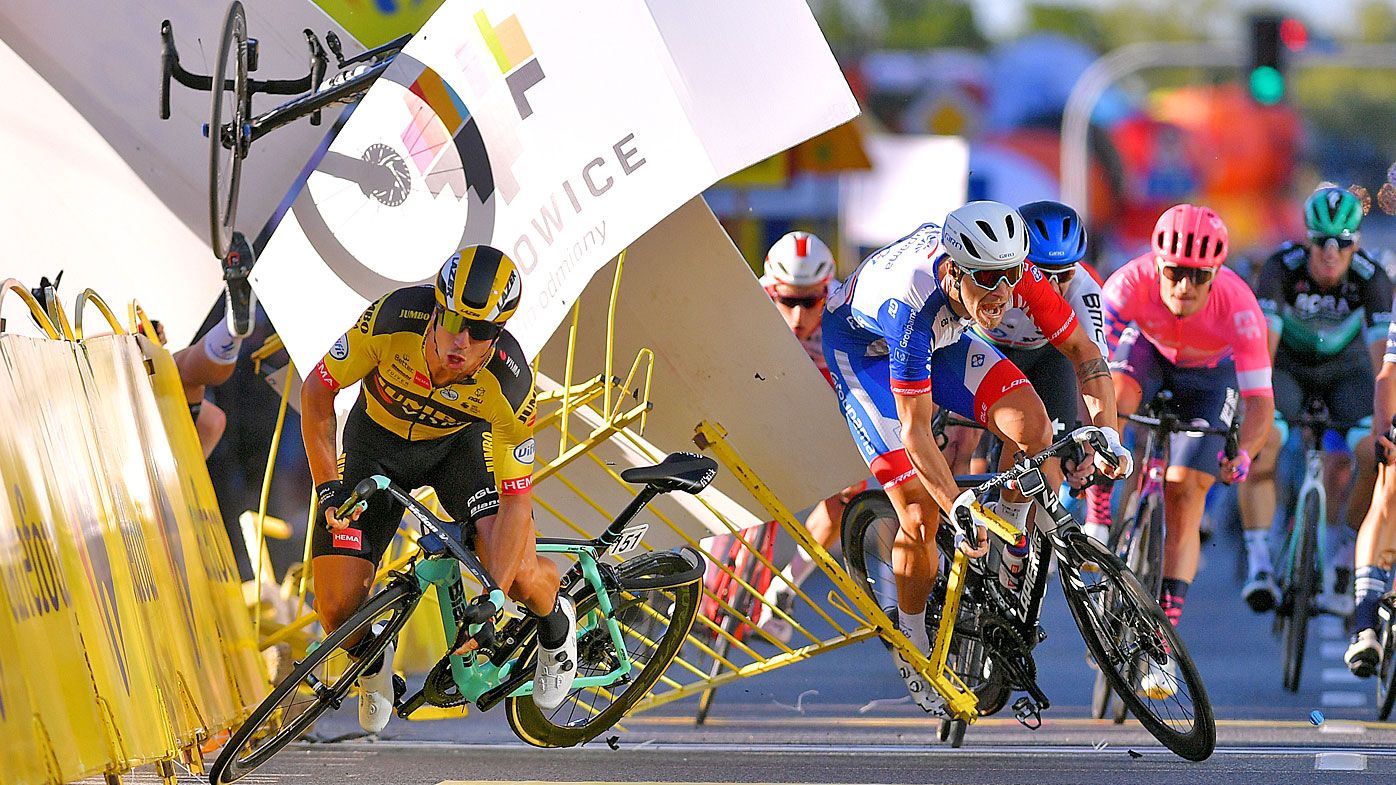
(1178, 273)
(990, 279)
(812, 301)
(1322, 239)
(453, 322)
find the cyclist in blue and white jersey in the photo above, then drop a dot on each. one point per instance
(896, 344)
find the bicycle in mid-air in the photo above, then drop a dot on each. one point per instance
(983, 633)
(232, 127)
(1139, 538)
(632, 620)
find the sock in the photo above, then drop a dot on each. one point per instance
(1171, 596)
(220, 345)
(801, 566)
(1098, 506)
(1257, 550)
(1015, 513)
(915, 631)
(552, 629)
(1371, 584)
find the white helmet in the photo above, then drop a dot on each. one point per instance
(985, 236)
(799, 259)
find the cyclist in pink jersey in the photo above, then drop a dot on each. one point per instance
(1198, 331)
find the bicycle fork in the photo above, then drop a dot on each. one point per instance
(1313, 483)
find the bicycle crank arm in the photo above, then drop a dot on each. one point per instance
(413, 702)
(1027, 713)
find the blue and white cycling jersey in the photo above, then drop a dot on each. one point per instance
(893, 304)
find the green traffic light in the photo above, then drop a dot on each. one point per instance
(1267, 85)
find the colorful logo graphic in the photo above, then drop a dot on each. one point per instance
(441, 136)
(514, 56)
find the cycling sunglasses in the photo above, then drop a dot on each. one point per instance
(453, 322)
(1321, 240)
(813, 301)
(1198, 275)
(1062, 276)
(990, 279)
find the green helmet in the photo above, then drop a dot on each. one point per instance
(1333, 212)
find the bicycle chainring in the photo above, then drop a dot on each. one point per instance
(1010, 653)
(440, 687)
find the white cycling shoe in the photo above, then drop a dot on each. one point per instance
(770, 623)
(1363, 656)
(376, 695)
(552, 679)
(1161, 682)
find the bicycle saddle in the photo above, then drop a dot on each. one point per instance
(680, 471)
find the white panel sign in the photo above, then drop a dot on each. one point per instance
(914, 179)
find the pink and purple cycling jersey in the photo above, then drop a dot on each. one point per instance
(1229, 325)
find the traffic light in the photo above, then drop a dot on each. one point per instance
(1267, 72)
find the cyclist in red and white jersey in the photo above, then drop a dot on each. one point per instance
(1198, 332)
(798, 273)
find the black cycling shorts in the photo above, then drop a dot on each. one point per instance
(455, 466)
(1344, 382)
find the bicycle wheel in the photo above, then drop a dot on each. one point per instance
(1143, 554)
(869, 534)
(1300, 593)
(656, 606)
(319, 682)
(226, 118)
(1108, 600)
(1386, 675)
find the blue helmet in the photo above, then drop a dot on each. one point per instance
(1056, 237)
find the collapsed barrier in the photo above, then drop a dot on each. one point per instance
(124, 639)
(587, 433)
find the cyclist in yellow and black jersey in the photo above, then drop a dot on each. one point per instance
(447, 401)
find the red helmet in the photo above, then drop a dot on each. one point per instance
(1190, 235)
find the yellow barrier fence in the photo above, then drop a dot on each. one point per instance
(126, 640)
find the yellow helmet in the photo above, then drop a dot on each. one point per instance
(478, 283)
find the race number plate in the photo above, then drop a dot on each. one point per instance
(629, 539)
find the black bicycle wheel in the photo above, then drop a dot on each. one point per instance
(226, 118)
(1139, 546)
(869, 536)
(319, 682)
(728, 624)
(1304, 582)
(1386, 674)
(1108, 598)
(655, 621)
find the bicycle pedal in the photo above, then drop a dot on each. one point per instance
(399, 689)
(1027, 713)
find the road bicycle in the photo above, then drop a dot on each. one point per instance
(983, 634)
(632, 620)
(232, 127)
(1299, 564)
(1386, 673)
(1138, 540)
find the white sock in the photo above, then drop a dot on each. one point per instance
(801, 566)
(1015, 513)
(220, 345)
(1257, 550)
(913, 626)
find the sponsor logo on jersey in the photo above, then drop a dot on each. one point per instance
(348, 538)
(340, 350)
(516, 486)
(977, 361)
(409, 313)
(524, 452)
(421, 380)
(325, 377)
(1247, 326)
(509, 362)
(450, 394)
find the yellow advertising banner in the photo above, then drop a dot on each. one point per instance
(39, 593)
(376, 22)
(193, 530)
(21, 757)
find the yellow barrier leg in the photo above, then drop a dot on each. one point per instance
(166, 771)
(959, 701)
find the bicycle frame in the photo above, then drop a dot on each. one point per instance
(1313, 483)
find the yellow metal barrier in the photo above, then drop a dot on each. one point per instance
(113, 565)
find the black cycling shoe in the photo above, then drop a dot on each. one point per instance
(240, 300)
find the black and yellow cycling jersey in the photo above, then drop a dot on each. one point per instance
(386, 350)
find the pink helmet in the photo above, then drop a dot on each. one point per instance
(1190, 235)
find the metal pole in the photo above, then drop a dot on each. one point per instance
(1127, 60)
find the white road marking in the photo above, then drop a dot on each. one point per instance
(1340, 761)
(1344, 699)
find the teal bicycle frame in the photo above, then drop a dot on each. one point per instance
(1313, 483)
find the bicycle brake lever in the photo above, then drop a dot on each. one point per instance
(333, 42)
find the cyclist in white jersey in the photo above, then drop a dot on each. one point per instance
(897, 348)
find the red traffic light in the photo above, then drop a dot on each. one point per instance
(1293, 34)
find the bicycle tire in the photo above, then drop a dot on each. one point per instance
(267, 728)
(224, 176)
(869, 532)
(665, 595)
(1193, 734)
(1139, 546)
(728, 624)
(1386, 673)
(1301, 593)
